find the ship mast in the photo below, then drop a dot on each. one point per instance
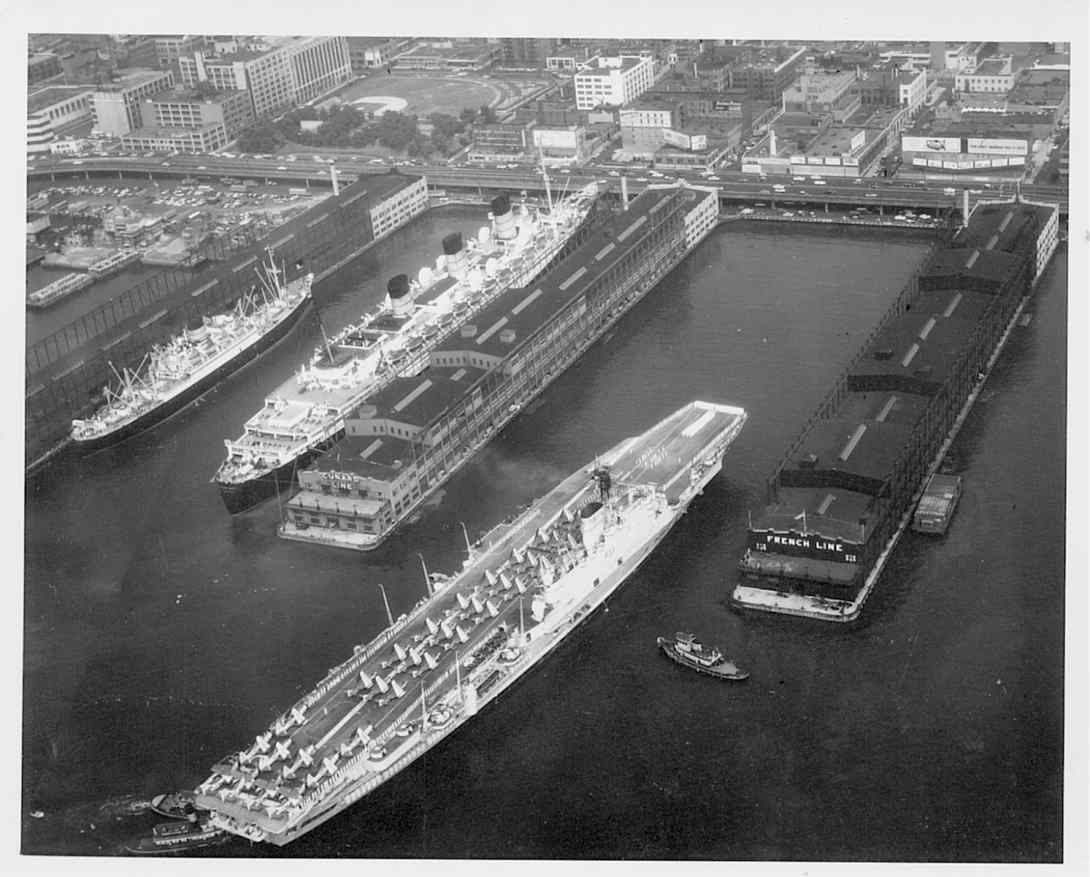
(545, 178)
(389, 614)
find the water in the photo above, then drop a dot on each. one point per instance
(162, 634)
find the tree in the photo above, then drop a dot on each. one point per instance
(487, 114)
(468, 115)
(261, 138)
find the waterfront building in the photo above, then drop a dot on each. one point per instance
(501, 141)
(116, 108)
(399, 206)
(613, 81)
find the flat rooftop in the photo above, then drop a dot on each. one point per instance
(55, 94)
(999, 227)
(857, 448)
(833, 512)
(131, 79)
(914, 353)
(833, 141)
(417, 401)
(992, 67)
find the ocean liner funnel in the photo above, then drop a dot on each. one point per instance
(504, 218)
(456, 254)
(398, 289)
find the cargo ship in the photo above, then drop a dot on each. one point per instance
(846, 489)
(430, 671)
(306, 414)
(403, 442)
(62, 287)
(176, 373)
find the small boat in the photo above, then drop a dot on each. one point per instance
(174, 805)
(686, 649)
(176, 837)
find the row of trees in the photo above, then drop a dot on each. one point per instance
(347, 126)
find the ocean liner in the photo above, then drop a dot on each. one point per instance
(306, 414)
(433, 669)
(403, 442)
(174, 374)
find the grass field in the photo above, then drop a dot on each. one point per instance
(435, 94)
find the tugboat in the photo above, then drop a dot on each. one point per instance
(174, 805)
(175, 837)
(686, 649)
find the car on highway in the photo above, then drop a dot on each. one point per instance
(201, 167)
(614, 173)
(871, 195)
(641, 179)
(819, 182)
(857, 181)
(714, 179)
(166, 164)
(281, 168)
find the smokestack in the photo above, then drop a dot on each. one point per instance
(398, 289)
(503, 218)
(772, 142)
(333, 179)
(624, 192)
(455, 253)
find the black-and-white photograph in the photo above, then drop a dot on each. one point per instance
(649, 443)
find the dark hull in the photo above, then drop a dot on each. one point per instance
(675, 656)
(245, 495)
(150, 846)
(176, 403)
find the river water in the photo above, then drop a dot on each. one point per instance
(161, 634)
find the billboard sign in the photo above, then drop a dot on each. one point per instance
(994, 146)
(805, 545)
(931, 144)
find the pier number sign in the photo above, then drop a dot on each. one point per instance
(805, 545)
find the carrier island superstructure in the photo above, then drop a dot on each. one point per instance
(430, 671)
(843, 493)
(403, 442)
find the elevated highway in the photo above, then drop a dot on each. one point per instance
(734, 187)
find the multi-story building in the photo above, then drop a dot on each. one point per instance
(201, 139)
(502, 140)
(51, 110)
(185, 108)
(295, 71)
(367, 53)
(911, 90)
(990, 75)
(824, 94)
(399, 207)
(764, 73)
(42, 65)
(462, 55)
(528, 51)
(169, 48)
(613, 81)
(116, 108)
(39, 134)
